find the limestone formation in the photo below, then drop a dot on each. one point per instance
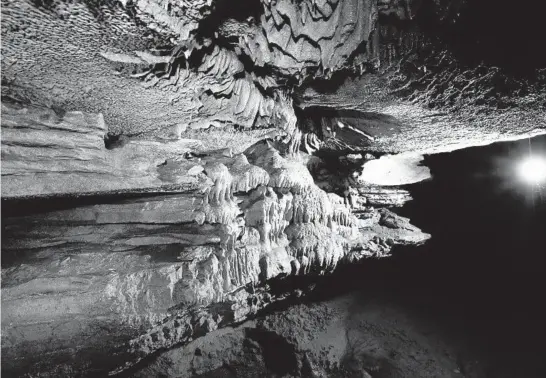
(41, 149)
(164, 270)
(165, 164)
(312, 35)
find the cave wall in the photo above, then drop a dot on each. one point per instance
(233, 142)
(164, 241)
(99, 287)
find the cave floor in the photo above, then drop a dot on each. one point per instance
(383, 327)
(353, 335)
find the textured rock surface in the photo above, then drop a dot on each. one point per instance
(44, 153)
(244, 137)
(176, 68)
(314, 35)
(385, 121)
(428, 93)
(336, 338)
(163, 270)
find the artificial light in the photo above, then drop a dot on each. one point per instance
(532, 170)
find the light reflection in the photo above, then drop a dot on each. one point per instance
(532, 170)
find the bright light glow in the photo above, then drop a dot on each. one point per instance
(533, 170)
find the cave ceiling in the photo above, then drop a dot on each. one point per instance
(392, 69)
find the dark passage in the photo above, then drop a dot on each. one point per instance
(482, 277)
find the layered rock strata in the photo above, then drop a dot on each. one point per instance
(96, 288)
(45, 153)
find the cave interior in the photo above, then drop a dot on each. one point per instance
(277, 188)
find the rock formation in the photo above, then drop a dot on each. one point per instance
(165, 269)
(165, 163)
